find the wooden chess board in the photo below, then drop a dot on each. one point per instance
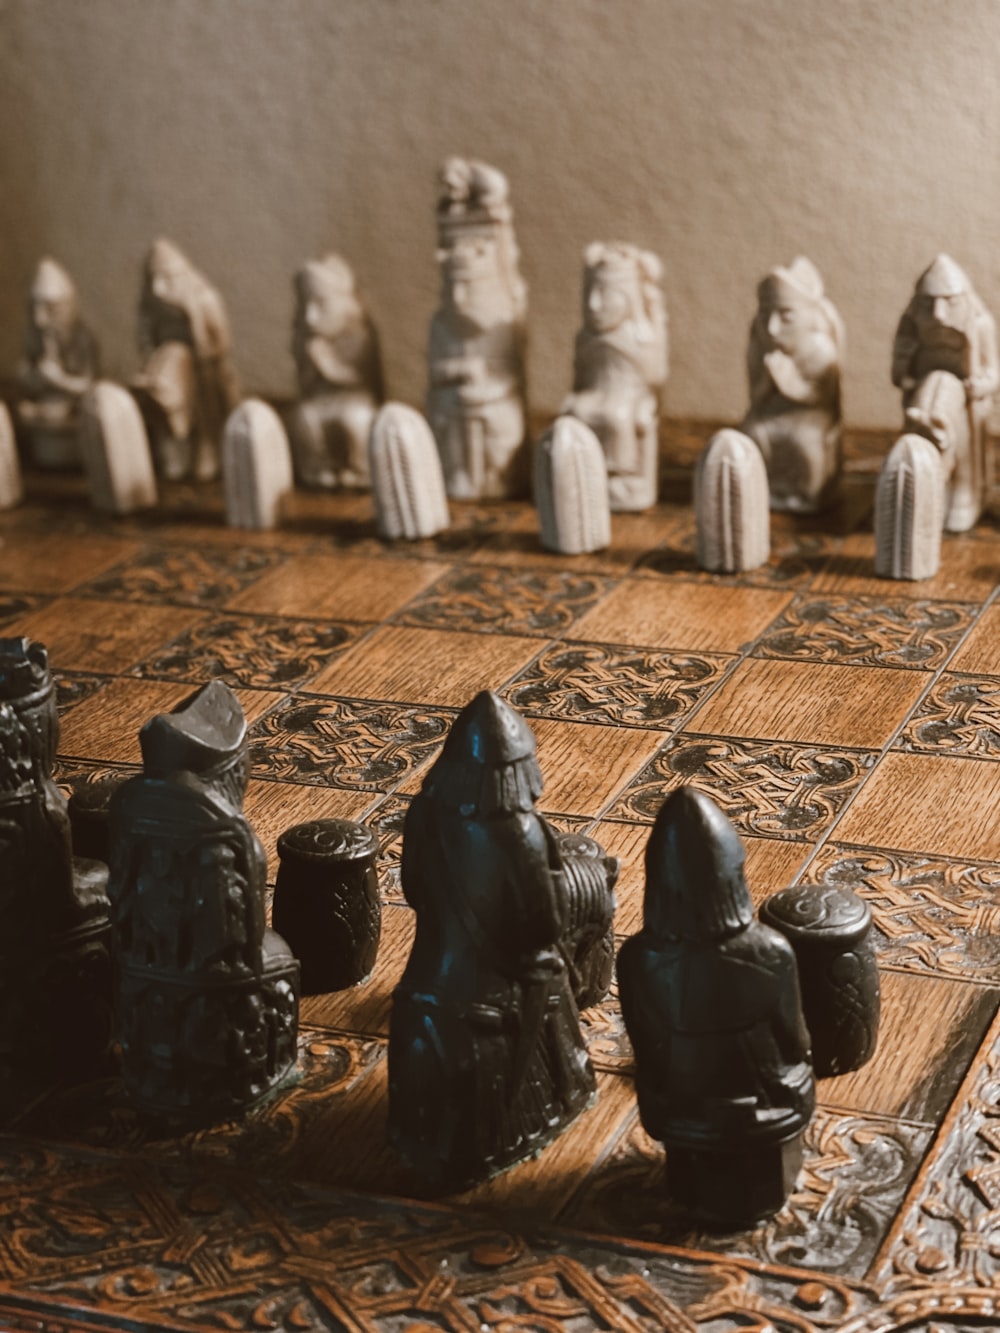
(849, 726)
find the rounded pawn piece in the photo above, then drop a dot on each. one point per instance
(909, 510)
(829, 928)
(731, 504)
(326, 902)
(571, 489)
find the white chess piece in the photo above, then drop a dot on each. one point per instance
(115, 450)
(909, 510)
(406, 475)
(731, 504)
(571, 488)
(256, 466)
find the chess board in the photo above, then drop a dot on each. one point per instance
(849, 726)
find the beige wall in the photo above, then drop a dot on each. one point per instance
(727, 135)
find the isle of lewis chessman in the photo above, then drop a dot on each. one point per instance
(475, 399)
(620, 366)
(944, 359)
(340, 377)
(187, 386)
(207, 994)
(60, 363)
(711, 1002)
(793, 362)
(486, 1060)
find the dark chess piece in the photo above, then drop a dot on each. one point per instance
(207, 996)
(55, 966)
(90, 817)
(588, 881)
(711, 1003)
(486, 1061)
(829, 927)
(326, 902)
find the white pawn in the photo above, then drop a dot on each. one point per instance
(731, 502)
(571, 488)
(407, 480)
(115, 450)
(909, 511)
(256, 466)
(11, 490)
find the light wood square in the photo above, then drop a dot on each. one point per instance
(968, 571)
(446, 667)
(723, 618)
(813, 702)
(89, 635)
(980, 653)
(584, 765)
(928, 803)
(338, 587)
(106, 725)
(273, 807)
(43, 562)
(909, 1075)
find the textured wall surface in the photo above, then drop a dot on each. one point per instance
(727, 135)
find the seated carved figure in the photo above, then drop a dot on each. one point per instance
(187, 386)
(793, 362)
(944, 358)
(475, 400)
(620, 366)
(207, 995)
(340, 377)
(59, 365)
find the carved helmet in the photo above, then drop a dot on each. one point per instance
(695, 889)
(52, 283)
(488, 763)
(943, 278)
(203, 734)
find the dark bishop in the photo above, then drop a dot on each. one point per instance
(486, 1059)
(55, 971)
(710, 999)
(207, 994)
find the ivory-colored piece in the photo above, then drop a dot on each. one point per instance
(59, 365)
(340, 377)
(731, 504)
(620, 366)
(571, 488)
(11, 489)
(475, 398)
(115, 451)
(407, 481)
(909, 509)
(187, 386)
(947, 329)
(256, 467)
(793, 362)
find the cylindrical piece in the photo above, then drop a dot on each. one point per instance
(326, 902)
(89, 816)
(829, 927)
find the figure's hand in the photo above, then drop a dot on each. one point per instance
(543, 965)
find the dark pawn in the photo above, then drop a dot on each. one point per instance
(486, 1060)
(711, 1003)
(588, 881)
(829, 927)
(326, 902)
(55, 967)
(207, 995)
(90, 817)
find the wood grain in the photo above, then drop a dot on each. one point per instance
(584, 765)
(338, 587)
(57, 561)
(810, 702)
(981, 650)
(446, 667)
(97, 635)
(681, 615)
(927, 803)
